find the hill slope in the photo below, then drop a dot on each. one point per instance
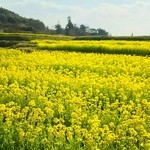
(10, 22)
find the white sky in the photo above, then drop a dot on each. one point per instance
(118, 17)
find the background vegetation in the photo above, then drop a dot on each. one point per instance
(12, 22)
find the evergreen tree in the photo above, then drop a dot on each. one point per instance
(58, 28)
(69, 27)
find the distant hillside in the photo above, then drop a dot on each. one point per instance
(12, 22)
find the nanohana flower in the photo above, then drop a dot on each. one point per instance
(71, 100)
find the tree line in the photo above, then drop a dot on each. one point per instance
(83, 30)
(12, 22)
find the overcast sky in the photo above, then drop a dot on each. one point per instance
(118, 17)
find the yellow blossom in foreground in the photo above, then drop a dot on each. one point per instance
(65, 100)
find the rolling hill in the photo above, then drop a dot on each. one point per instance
(12, 22)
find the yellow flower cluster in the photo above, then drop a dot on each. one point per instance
(76, 101)
(108, 46)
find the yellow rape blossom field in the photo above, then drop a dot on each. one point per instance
(57, 100)
(103, 46)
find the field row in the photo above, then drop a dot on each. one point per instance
(62, 100)
(110, 46)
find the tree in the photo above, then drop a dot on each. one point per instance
(93, 31)
(2, 18)
(76, 30)
(11, 20)
(69, 27)
(82, 29)
(36, 24)
(58, 28)
(102, 32)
